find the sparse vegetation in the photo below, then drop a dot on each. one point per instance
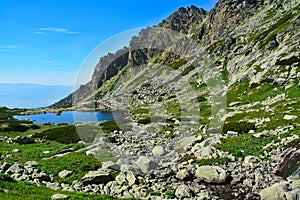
(79, 163)
(187, 70)
(178, 63)
(213, 161)
(12, 190)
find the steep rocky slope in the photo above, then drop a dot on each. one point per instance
(221, 88)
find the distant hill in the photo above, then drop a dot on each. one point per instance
(31, 95)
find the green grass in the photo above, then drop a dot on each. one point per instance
(33, 151)
(294, 91)
(244, 93)
(213, 161)
(140, 111)
(245, 145)
(11, 190)
(205, 112)
(79, 163)
(170, 194)
(151, 192)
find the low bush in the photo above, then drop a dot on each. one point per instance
(6, 178)
(63, 134)
(109, 126)
(240, 127)
(25, 140)
(187, 70)
(146, 120)
(15, 126)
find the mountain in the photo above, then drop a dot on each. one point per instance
(203, 88)
(239, 34)
(31, 95)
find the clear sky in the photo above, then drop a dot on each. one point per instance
(46, 41)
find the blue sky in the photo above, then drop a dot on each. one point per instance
(46, 41)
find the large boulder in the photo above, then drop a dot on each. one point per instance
(211, 174)
(274, 192)
(146, 164)
(96, 177)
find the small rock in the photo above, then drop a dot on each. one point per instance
(183, 191)
(31, 164)
(131, 179)
(158, 151)
(65, 174)
(232, 133)
(121, 179)
(15, 150)
(250, 160)
(110, 165)
(53, 186)
(290, 117)
(182, 174)
(59, 196)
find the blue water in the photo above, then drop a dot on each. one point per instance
(69, 117)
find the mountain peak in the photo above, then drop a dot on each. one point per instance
(183, 18)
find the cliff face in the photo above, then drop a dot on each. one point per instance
(238, 34)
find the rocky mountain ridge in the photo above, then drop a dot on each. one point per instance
(211, 107)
